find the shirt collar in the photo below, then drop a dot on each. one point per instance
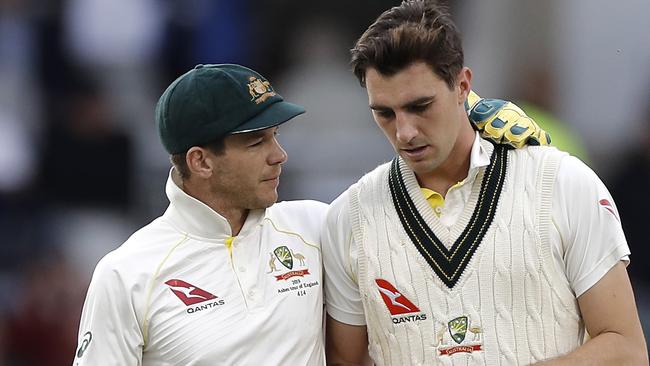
(194, 217)
(480, 155)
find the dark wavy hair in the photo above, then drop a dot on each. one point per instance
(416, 30)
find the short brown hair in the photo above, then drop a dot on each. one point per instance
(416, 30)
(180, 164)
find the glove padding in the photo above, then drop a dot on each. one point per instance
(503, 122)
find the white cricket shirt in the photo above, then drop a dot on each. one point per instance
(586, 235)
(176, 294)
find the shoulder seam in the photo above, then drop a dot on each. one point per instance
(292, 233)
(145, 325)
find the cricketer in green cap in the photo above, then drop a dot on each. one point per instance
(224, 265)
(219, 124)
(212, 101)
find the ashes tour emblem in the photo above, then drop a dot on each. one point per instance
(284, 256)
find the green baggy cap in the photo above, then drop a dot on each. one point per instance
(212, 101)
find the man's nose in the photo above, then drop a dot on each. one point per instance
(278, 155)
(405, 129)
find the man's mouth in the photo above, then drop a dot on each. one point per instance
(415, 152)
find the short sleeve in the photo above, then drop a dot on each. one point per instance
(109, 333)
(342, 298)
(589, 227)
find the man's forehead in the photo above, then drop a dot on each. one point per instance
(414, 69)
(408, 86)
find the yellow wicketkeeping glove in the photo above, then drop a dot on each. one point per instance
(503, 122)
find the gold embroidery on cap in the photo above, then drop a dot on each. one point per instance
(260, 90)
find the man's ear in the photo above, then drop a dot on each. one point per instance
(199, 162)
(464, 84)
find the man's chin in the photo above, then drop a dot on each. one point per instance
(421, 166)
(414, 164)
(267, 200)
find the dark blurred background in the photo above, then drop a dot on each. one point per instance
(81, 166)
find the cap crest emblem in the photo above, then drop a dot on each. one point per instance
(260, 90)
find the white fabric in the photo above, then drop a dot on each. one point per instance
(518, 307)
(586, 239)
(257, 316)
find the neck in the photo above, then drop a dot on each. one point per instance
(235, 216)
(455, 168)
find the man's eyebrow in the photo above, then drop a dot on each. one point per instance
(419, 101)
(409, 104)
(376, 107)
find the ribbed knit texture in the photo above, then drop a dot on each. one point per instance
(511, 290)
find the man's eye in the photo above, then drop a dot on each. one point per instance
(419, 108)
(256, 143)
(384, 114)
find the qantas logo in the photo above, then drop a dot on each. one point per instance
(398, 305)
(608, 206)
(189, 294)
(396, 302)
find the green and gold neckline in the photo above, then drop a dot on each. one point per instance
(449, 264)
